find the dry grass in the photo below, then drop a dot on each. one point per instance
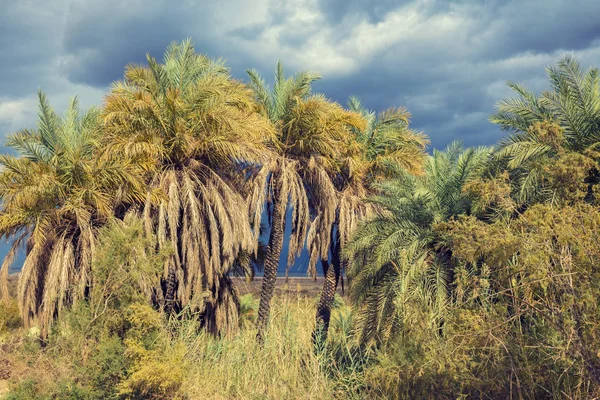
(12, 285)
(285, 368)
(197, 366)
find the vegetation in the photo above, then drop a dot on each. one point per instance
(573, 105)
(382, 150)
(191, 126)
(398, 262)
(472, 272)
(55, 194)
(311, 136)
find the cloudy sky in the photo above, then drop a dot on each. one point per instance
(447, 62)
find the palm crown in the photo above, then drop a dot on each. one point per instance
(565, 119)
(193, 127)
(396, 252)
(387, 144)
(55, 194)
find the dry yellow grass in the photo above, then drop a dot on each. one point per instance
(191, 365)
(285, 368)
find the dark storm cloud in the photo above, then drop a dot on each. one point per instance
(543, 25)
(24, 51)
(537, 25)
(100, 39)
(445, 82)
(445, 61)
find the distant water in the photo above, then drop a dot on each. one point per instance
(18, 262)
(300, 266)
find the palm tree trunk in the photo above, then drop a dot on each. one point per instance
(170, 289)
(332, 277)
(271, 266)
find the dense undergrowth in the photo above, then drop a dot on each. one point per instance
(116, 345)
(140, 355)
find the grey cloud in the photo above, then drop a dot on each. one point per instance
(374, 10)
(540, 26)
(100, 41)
(249, 32)
(26, 52)
(449, 82)
(100, 38)
(458, 71)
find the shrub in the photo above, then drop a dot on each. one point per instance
(10, 318)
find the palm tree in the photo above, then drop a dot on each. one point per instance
(311, 133)
(573, 104)
(396, 262)
(56, 193)
(194, 129)
(385, 148)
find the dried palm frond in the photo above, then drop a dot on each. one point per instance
(194, 128)
(55, 193)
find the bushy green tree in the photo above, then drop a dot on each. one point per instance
(396, 259)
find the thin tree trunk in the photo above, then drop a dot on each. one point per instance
(332, 277)
(271, 266)
(170, 289)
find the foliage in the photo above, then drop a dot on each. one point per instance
(55, 195)
(115, 345)
(10, 318)
(473, 272)
(529, 282)
(564, 119)
(248, 307)
(387, 143)
(385, 148)
(573, 102)
(95, 348)
(175, 360)
(192, 127)
(397, 264)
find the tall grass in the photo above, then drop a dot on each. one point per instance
(181, 361)
(114, 344)
(285, 367)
